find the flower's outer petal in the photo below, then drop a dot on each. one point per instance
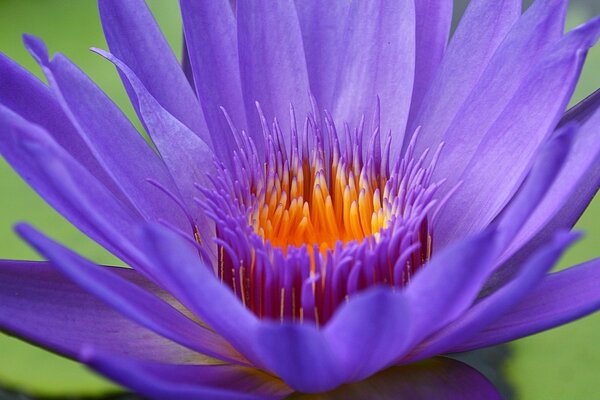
(323, 25)
(129, 299)
(583, 110)
(134, 37)
(540, 27)
(449, 283)
(480, 31)
(188, 158)
(27, 96)
(562, 297)
(504, 156)
(210, 34)
(67, 186)
(496, 304)
(378, 61)
(272, 63)
(300, 355)
(433, 21)
(193, 382)
(564, 202)
(370, 331)
(113, 140)
(177, 266)
(39, 304)
(434, 379)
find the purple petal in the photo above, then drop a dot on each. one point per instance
(378, 61)
(492, 307)
(561, 297)
(134, 37)
(187, 157)
(116, 144)
(129, 299)
(323, 26)
(272, 62)
(210, 33)
(39, 304)
(505, 154)
(164, 381)
(370, 332)
(433, 20)
(28, 97)
(481, 30)
(449, 283)
(178, 267)
(300, 355)
(583, 110)
(67, 186)
(438, 378)
(527, 42)
(566, 199)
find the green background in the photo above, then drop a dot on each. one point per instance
(562, 363)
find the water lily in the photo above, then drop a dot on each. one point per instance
(331, 190)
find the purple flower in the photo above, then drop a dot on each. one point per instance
(337, 192)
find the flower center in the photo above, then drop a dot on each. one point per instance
(319, 219)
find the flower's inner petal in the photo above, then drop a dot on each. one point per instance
(313, 223)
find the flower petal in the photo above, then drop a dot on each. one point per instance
(129, 299)
(187, 157)
(67, 186)
(39, 304)
(133, 36)
(300, 355)
(449, 283)
(178, 267)
(370, 331)
(583, 110)
(378, 61)
(272, 62)
(540, 27)
(110, 136)
(323, 25)
(437, 378)
(505, 154)
(210, 33)
(164, 381)
(480, 31)
(28, 97)
(487, 310)
(433, 21)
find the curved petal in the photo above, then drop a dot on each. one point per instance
(583, 110)
(432, 30)
(129, 299)
(272, 63)
(113, 140)
(28, 97)
(210, 33)
(446, 286)
(480, 31)
(378, 61)
(179, 268)
(133, 36)
(323, 25)
(505, 154)
(300, 355)
(39, 304)
(67, 186)
(164, 381)
(438, 378)
(370, 331)
(540, 27)
(562, 297)
(490, 308)
(187, 157)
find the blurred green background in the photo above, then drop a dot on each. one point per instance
(562, 363)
